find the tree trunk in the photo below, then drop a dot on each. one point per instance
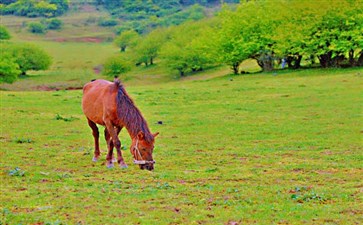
(351, 58)
(325, 60)
(294, 61)
(235, 67)
(297, 62)
(181, 72)
(360, 59)
(265, 61)
(151, 61)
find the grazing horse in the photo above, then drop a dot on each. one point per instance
(108, 104)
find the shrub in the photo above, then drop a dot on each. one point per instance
(37, 28)
(54, 24)
(115, 66)
(4, 33)
(107, 22)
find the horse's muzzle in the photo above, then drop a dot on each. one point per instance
(148, 166)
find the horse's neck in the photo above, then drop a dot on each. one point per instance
(136, 126)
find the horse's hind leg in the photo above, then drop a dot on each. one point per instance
(96, 136)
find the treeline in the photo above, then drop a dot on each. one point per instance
(274, 33)
(144, 15)
(34, 8)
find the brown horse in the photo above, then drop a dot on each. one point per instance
(108, 104)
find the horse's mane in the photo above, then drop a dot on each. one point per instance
(130, 115)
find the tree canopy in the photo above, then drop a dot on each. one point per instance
(34, 8)
(17, 59)
(268, 32)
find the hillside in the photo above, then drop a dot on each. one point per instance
(101, 19)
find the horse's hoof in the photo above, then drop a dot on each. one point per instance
(123, 166)
(109, 165)
(94, 159)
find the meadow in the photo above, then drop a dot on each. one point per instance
(269, 148)
(283, 147)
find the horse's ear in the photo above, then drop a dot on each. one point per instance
(156, 134)
(140, 135)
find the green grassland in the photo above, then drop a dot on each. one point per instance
(278, 148)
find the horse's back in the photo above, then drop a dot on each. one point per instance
(98, 97)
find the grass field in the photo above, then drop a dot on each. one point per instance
(281, 148)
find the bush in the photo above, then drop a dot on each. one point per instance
(116, 65)
(107, 22)
(4, 33)
(37, 28)
(54, 24)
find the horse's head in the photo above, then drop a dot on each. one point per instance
(142, 150)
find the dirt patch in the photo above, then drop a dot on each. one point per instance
(80, 39)
(73, 88)
(46, 88)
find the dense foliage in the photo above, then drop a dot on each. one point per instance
(329, 31)
(4, 33)
(275, 33)
(17, 59)
(143, 15)
(115, 66)
(34, 8)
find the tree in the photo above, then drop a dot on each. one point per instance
(28, 57)
(125, 39)
(190, 47)
(338, 34)
(9, 69)
(148, 47)
(35, 8)
(246, 33)
(4, 33)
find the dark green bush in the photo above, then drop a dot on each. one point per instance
(54, 24)
(37, 28)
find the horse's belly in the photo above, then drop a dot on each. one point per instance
(93, 111)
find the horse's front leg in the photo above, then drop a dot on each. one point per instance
(120, 159)
(116, 142)
(96, 139)
(109, 157)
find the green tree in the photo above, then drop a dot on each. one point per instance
(247, 33)
(337, 34)
(9, 69)
(28, 57)
(328, 30)
(190, 47)
(35, 8)
(125, 39)
(4, 33)
(148, 47)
